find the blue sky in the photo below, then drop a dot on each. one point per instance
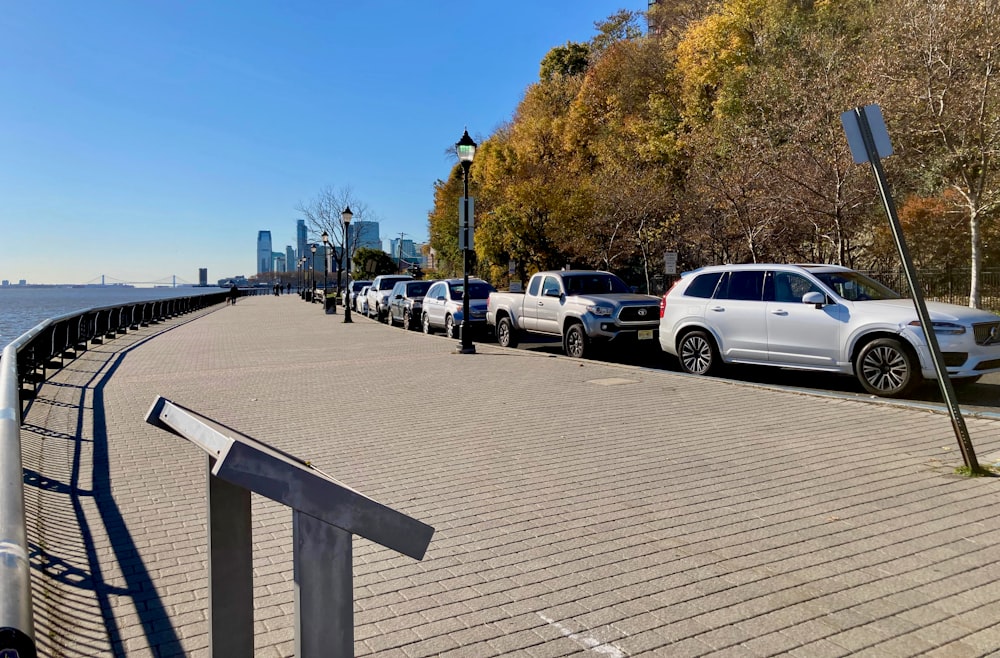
(141, 140)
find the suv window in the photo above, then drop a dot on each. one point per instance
(789, 287)
(398, 289)
(703, 285)
(386, 284)
(437, 290)
(742, 285)
(416, 288)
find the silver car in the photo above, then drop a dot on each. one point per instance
(442, 306)
(353, 289)
(361, 301)
(820, 317)
(378, 294)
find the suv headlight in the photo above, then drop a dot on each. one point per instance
(947, 328)
(601, 311)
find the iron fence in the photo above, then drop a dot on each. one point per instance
(947, 285)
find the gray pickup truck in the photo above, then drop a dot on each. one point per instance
(583, 307)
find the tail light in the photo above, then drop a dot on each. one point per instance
(663, 302)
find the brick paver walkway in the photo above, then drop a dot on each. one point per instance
(580, 507)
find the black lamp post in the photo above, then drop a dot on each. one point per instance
(466, 152)
(346, 216)
(326, 252)
(312, 274)
(302, 277)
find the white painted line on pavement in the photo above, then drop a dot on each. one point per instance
(588, 642)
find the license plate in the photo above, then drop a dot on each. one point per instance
(645, 334)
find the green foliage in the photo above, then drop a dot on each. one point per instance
(570, 59)
(720, 138)
(373, 262)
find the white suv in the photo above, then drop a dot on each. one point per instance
(820, 317)
(378, 294)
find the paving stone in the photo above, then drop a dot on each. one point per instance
(672, 516)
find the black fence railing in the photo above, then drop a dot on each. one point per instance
(947, 285)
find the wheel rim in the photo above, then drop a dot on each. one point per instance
(503, 334)
(696, 355)
(426, 323)
(406, 320)
(574, 342)
(884, 368)
(449, 327)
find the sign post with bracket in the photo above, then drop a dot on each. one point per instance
(869, 141)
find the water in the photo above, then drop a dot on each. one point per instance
(23, 308)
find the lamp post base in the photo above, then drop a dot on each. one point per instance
(462, 349)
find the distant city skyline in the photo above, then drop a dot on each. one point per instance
(143, 141)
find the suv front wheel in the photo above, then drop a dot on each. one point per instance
(887, 368)
(697, 354)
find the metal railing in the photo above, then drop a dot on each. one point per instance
(945, 285)
(24, 366)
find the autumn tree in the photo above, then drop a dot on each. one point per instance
(940, 60)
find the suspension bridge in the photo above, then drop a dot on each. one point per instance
(169, 281)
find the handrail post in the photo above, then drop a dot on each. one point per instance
(324, 588)
(230, 568)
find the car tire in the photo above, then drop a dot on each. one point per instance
(389, 319)
(449, 327)
(407, 324)
(506, 333)
(576, 343)
(425, 322)
(887, 368)
(697, 353)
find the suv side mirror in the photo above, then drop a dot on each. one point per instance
(816, 298)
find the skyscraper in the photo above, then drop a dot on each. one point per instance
(300, 238)
(365, 235)
(263, 252)
(289, 259)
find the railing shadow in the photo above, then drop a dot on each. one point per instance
(74, 616)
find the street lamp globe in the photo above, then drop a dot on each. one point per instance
(466, 148)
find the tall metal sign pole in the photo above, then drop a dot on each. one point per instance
(869, 141)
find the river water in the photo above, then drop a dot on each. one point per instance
(21, 308)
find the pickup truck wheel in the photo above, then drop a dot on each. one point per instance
(885, 367)
(506, 333)
(575, 341)
(449, 327)
(426, 324)
(697, 354)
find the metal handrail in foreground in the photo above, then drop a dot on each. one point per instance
(24, 362)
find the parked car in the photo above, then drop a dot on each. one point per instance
(820, 317)
(442, 306)
(353, 288)
(361, 301)
(378, 294)
(405, 302)
(583, 307)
